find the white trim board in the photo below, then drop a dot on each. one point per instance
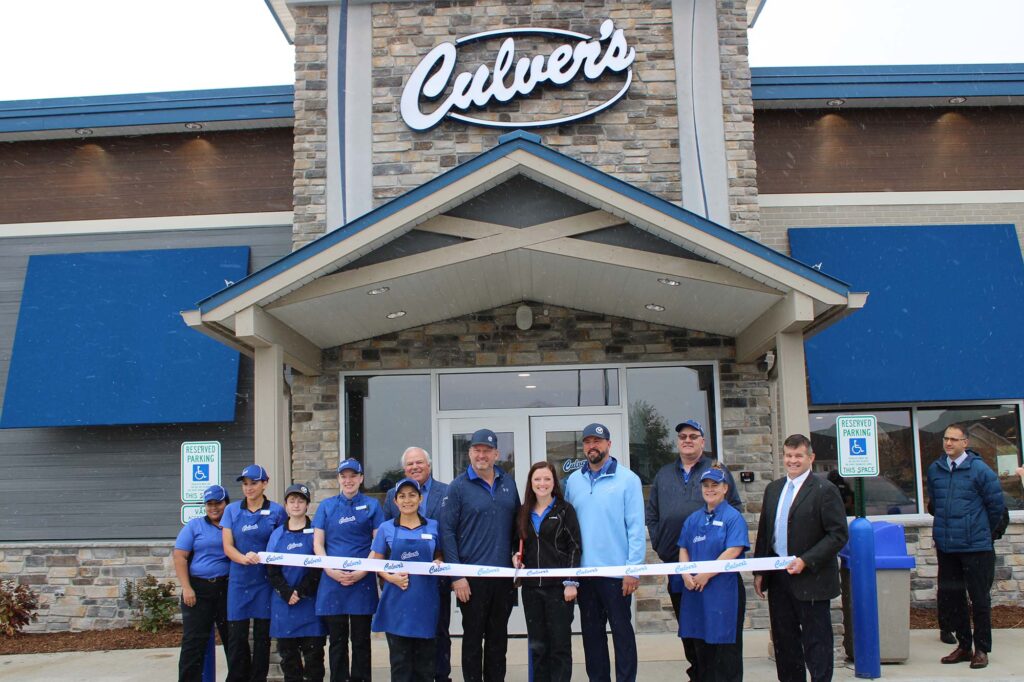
(159, 224)
(1008, 196)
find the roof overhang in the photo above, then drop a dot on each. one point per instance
(706, 278)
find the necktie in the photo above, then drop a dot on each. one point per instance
(782, 525)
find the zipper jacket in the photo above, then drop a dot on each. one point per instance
(557, 545)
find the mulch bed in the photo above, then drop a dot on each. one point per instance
(1003, 617)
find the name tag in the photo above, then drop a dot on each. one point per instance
(716, 523)
(361, 507)
(426, 536)
(308, 531)
(264, 512)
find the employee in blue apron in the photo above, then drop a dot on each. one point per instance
(344, 526)
(248, 524)
(299, 632)
(409, 604)
(202, 570)
(712, 605)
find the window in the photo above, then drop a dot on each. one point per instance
(383, 416)
(992, 432)
(660, 398)
(529, 389)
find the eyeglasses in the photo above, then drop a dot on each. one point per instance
(690, 436)
(947, 439)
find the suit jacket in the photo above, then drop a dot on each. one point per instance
(438, 491)
(817, 530)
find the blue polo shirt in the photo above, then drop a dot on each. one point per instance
(348, 524)
(206, 543)
(478, 520)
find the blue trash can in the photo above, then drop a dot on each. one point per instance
(892, 575)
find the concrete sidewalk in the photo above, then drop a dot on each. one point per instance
(660, 659)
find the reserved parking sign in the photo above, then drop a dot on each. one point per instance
(857, 440)
(200, 468)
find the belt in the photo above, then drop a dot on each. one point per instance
(218, 579)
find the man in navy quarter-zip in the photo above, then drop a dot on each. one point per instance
(609, 502)
(478, 527)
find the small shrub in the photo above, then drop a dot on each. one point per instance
(152, 601)
(18, 606)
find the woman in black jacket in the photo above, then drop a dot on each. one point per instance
(549, 537)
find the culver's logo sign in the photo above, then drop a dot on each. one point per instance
(510, 78)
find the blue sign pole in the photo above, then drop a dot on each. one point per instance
(867, 656)
(210, 661)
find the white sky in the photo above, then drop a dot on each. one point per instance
(65, 48)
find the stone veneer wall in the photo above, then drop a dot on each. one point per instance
(309, 174)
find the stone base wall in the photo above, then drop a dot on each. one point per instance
(90, 576)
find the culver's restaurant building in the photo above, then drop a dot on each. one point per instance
(632, 230)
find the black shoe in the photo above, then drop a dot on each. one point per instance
(947, 637)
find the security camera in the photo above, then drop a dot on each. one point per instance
(766, 363)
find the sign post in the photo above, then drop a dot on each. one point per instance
(857, 441)
(200, 468)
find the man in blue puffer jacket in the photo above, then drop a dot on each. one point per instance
(967, 502)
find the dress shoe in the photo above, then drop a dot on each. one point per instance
(947, 637)
(959, 655)
(979, 660)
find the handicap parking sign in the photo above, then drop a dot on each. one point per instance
(201, 472)
(857, 438)
(200, 468)
(859, 447)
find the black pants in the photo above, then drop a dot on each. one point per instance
(601, 603)
(302, 658)
(722, 662)
(340, 629)
(485, 628)
(197, 626)
(443, 655)
(549, 624)
(689, 648)
(963, 575)
(245, 665)
(801, 633)
(412, 659)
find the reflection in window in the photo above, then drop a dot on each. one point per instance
(383, 416)
(529, 388)
(992, 432)
(506, 452)
(660, 398)
(895, 490)
(564, 449)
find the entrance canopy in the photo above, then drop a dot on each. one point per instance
(522, 222)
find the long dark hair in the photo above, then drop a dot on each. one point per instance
(523, 523)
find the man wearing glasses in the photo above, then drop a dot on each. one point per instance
(675, 495)
(965, 498)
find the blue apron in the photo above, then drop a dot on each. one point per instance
(248, 588)
(710, 614)
(348, 527)
(299, 620)
(411, 612)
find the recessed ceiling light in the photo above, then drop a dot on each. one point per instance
(655, 307)
(193, 126)
(836, 102)
(668, 282)
(524, 374)
(957, 100)
(378, 291)
(529, 386)
(395, 315)
(84, 132)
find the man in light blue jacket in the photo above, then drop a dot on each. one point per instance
(610, 506)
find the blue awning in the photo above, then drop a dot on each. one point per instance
(100, 340)
(944, 319)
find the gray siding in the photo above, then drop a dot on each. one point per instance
(116, 482)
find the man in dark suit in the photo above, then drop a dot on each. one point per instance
(416, 463)
(802, 516)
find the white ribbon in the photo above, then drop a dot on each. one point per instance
(473, 571)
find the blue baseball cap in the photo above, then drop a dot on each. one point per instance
(350, 465)
(297, 489)
(693, 424)
(254, 472)
(407, 482)
(215, 493)
(598, 430)
(484, 437)
(716, 475)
